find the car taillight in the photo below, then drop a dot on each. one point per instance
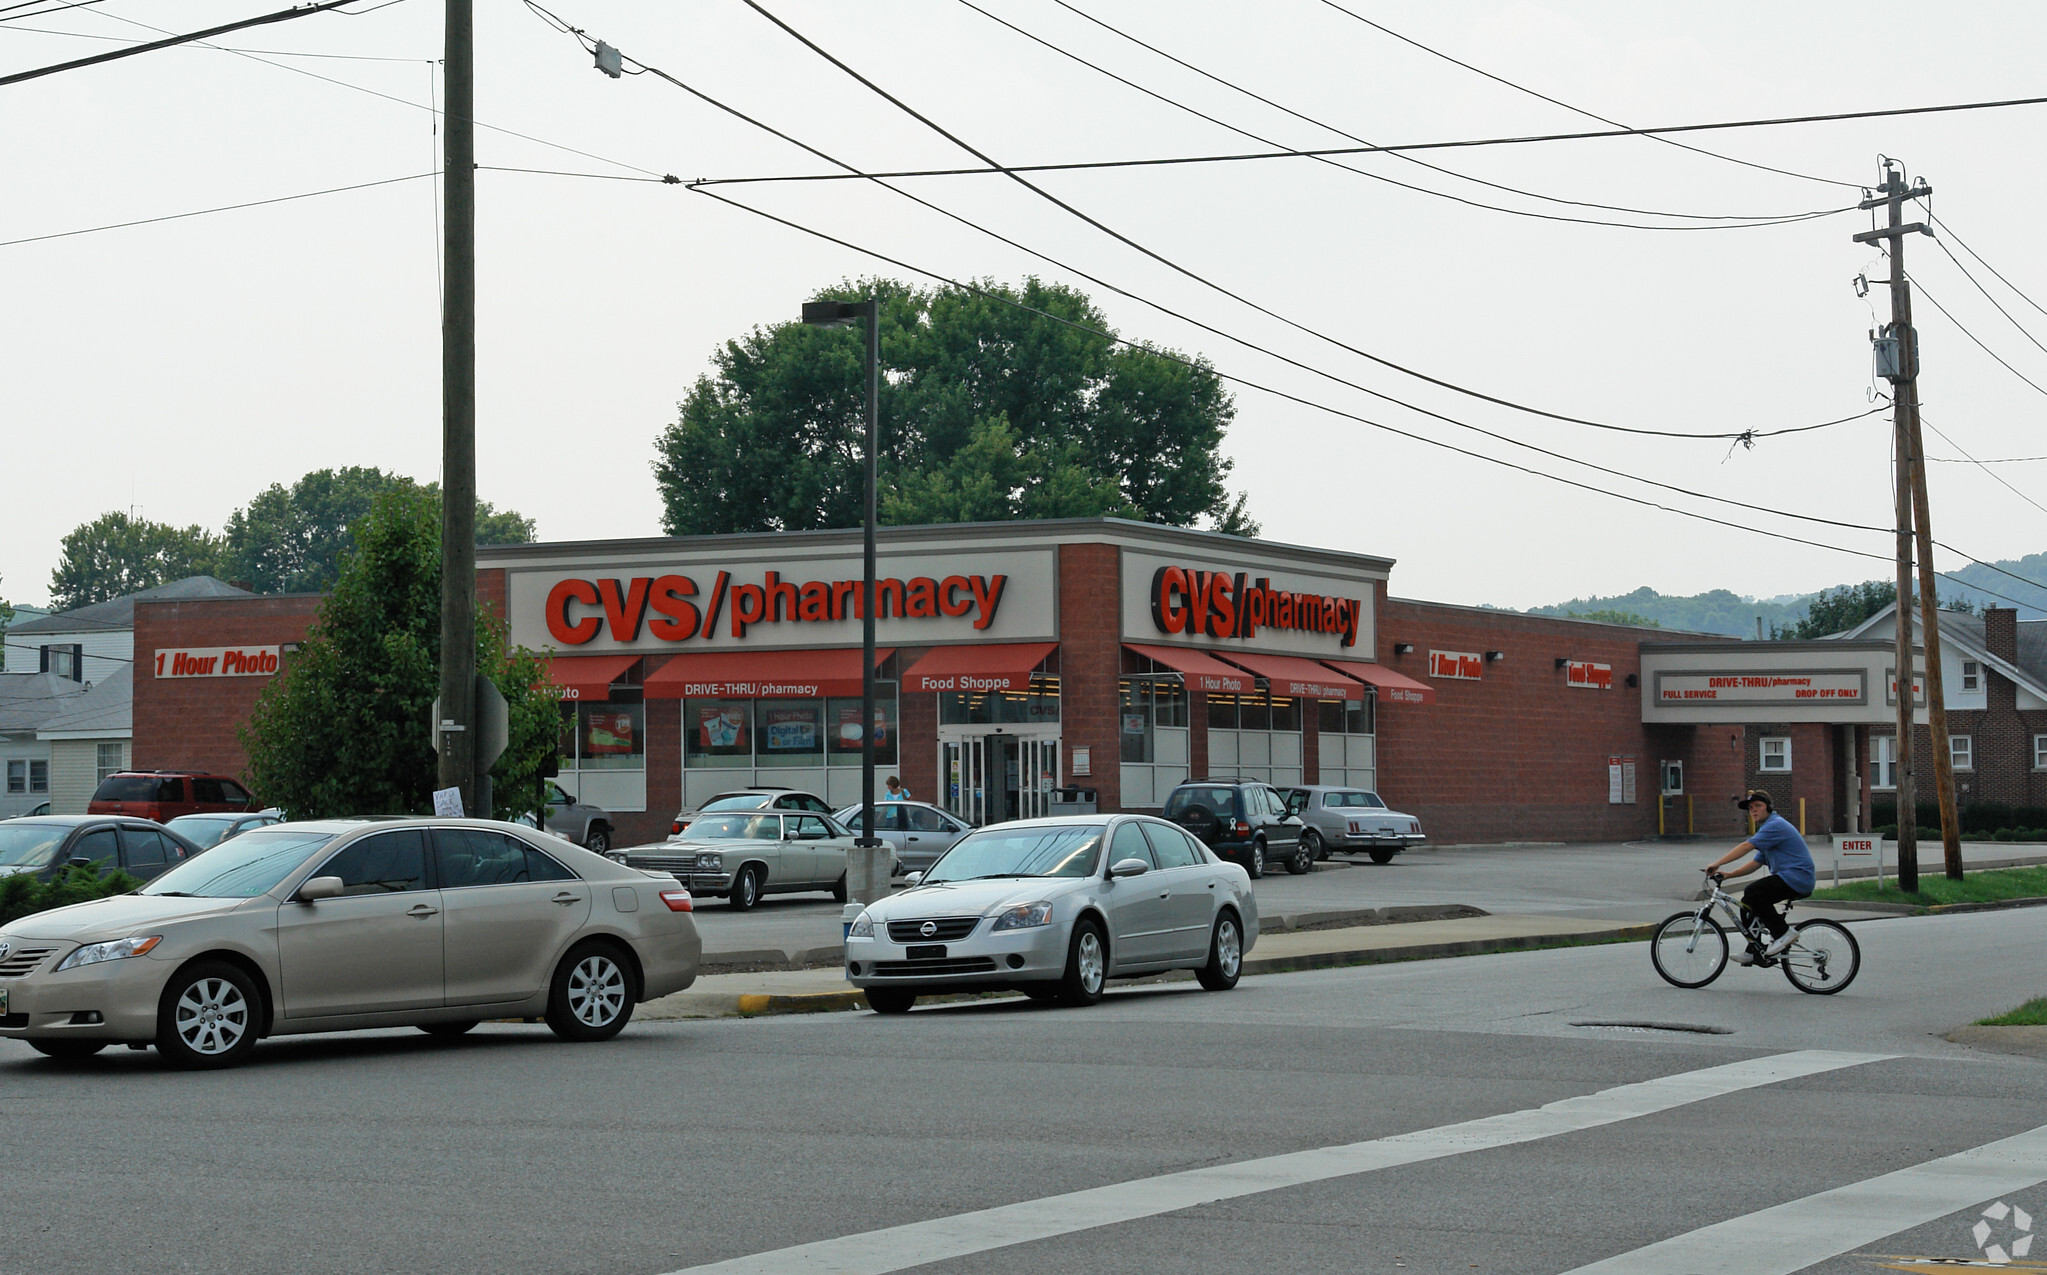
(677, 900)
(1241, 828)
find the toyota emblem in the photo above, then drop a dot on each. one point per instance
(928, 930)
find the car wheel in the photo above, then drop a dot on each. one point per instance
(1311, 841)
(599, 839)
(890, 1000)
(1301, 861)
(208, 1017)
(592, 995)
(1225, 955)
(746, 891)
(1254, 860)
(1383, 856)
(1087, 964)
(68, 1050)
(447, 1031)
(839, 892)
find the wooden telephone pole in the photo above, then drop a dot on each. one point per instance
(1914, 521)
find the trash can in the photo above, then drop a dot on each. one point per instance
(1071, 801)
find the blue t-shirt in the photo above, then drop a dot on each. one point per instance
(1783, 852)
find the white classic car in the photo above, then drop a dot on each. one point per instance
(743, 855)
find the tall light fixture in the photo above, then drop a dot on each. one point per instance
(871, 883)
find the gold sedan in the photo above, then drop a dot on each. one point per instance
(348, 924)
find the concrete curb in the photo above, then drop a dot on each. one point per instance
(1914, 909)
(2028, 1041)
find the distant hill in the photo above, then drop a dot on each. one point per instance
(1721, 611)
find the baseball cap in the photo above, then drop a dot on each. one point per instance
(1756, 794)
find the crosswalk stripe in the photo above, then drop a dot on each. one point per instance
(1792, 1236)
(938, 1239)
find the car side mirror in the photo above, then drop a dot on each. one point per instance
(1129, 868)
(319, 888)
(914, 880)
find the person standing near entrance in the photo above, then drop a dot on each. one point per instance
(1778, 847)
(896, 791)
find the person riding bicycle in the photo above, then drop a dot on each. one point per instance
(1777, 846)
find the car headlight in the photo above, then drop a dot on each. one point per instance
(863, 927)
(94, 953)
(1024, 916)
(715, 862)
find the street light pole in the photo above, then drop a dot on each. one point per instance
(455, 729)
(867, 869)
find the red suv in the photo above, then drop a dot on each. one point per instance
(163, 795)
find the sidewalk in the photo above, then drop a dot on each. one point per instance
(1297, 948)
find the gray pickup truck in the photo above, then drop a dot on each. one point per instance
(571, 820)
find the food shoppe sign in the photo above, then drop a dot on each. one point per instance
(708, 604)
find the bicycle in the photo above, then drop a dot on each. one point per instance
(1689, 949)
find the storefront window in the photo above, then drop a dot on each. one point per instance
(611, 736)
(1038, 706)
(1286, 713)
(1146, 703)
(717, 733)
(1222, 711)
(843, 717)
(1345, 717)
(1254, 712)
(792, 732)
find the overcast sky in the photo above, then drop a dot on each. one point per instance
(179, 368)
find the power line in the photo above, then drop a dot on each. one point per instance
(202, 212)
(42, 13)
(1334, 411)
(282, 15)
(1011, 170)
(1057, 202)
(1932, 300)
(1949, 232)
(1966, 459)
(275, 53)
(1579, 110)
(1746, 437)
(1424, 190)
(1987, 297)
(1978, 464)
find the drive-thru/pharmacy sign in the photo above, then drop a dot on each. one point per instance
(1841, 686)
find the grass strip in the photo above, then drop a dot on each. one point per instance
(1989, 886)
(2031, 1014)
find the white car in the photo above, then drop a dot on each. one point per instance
(1054, 908)
(744, 855)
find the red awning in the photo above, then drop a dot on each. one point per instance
(1394, 688)
(998, 666)
(1297, 678)
(760, 674)
(1203, 671)
(587, 676)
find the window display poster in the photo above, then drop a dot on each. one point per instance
(846, 728)
(1133, 723)
(721, 729)
(791, 730)
(607, 734)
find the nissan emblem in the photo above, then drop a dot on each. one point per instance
(928, 930)
(5, 948)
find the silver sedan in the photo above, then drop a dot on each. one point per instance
(917, 831)
(335, 926)
(1054, 908)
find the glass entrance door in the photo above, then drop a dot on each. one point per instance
(992, 778)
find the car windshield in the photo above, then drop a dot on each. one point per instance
(30, 845)
(204, 832)
(736, 828)
(1021, 852)
(1211, 799)
(243, 868)
(739, 801)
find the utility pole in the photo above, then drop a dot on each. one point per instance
(1900, 365)
(456, 730)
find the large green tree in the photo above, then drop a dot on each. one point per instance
(291, 539)
(989, 412)
(344, 729)
(116, 554)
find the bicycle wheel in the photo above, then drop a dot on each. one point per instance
(1824, 959)
(1689, 949)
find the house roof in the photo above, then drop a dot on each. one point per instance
(108, 706)
(119, 613)
(27, 700)
(1965, 633)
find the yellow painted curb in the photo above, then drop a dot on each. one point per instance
(754, 1003)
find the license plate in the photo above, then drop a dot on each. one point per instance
(930, 952)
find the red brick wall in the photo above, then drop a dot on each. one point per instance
(917, 738)
(1814, 777)
(192, 723)
(1519, 755)
(1090, 658)
(664, 775)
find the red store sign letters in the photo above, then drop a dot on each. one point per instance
(578, 610)
(1216, 604)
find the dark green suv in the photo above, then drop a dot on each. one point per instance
(1245, 820)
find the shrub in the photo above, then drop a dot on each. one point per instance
(24, 895)
(1983, 816)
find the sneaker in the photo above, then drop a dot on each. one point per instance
(1747, 956)
(1781, 945)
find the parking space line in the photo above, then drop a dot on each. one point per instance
(938, 1239)
(1792, 1236)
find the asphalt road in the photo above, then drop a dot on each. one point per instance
(1636, 881)
(683, 1144)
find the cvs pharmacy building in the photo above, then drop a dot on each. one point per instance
(1013, 659)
